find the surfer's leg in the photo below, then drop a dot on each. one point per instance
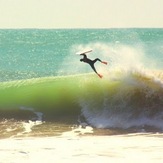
(104, 62)
(99, 75)
(92, 65)
(97, 59)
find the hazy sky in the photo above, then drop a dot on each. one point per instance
(80, 13)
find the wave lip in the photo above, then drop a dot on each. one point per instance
(133, 100)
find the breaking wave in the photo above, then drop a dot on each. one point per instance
(122, 99)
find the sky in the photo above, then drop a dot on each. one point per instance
(81, 13)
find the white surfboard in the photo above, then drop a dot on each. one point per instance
(84, 51)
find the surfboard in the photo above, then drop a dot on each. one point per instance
(84, 51)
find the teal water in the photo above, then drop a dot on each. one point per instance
(44, 84)
(32, 53)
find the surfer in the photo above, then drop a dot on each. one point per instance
(92, 62)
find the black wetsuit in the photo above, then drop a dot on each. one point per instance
(89, 61)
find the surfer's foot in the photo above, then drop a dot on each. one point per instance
(100, 75)
(104, 63)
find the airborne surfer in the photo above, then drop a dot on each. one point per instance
(92, 62)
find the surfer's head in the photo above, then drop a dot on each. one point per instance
(81, 60)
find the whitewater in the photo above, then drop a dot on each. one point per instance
(52, 104)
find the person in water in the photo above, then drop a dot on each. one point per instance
(92, 62)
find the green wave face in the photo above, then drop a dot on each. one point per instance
(131, 96)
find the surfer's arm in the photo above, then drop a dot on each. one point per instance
(84, 55)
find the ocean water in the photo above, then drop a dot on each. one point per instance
(53, 104)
